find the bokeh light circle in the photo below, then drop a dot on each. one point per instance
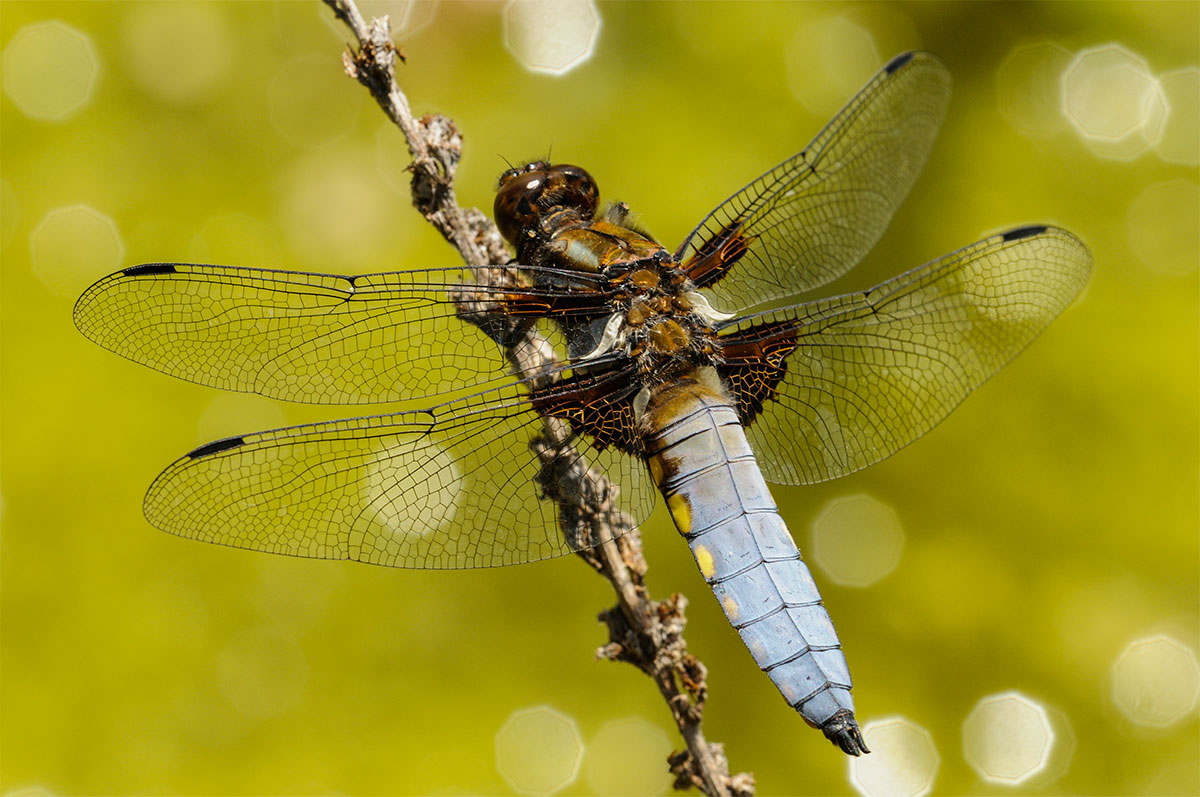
(1008, 738)
(1029, 88)
(857, 540)
(1156, 681)
(335, 208)
(50, 71)
(423, 511)
(1163, 227)
(178, 52)
(551, 36)
(828, 60)
(10, 211)
(1180, 141)
(310, 103)
(627, 757)
(405, 17)
(538, 750)
(72, 247)
(1114, 102)
(903, 762)
(31, 791)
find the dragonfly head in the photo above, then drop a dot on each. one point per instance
(534, 191)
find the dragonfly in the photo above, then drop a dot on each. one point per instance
(697, 374)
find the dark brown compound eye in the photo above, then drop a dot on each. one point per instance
(516, 207)
(517, 171)
(537, 189)
(576, 188)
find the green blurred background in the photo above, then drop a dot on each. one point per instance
(1047, 525)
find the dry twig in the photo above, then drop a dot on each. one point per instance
(642, 631)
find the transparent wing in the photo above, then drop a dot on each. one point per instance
(814, 216)
(857, 377)
(317, 338)
(457, 486)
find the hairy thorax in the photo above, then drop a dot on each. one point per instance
(657, 316)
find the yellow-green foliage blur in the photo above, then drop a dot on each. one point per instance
(1047, 526)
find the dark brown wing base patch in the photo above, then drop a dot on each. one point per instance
(754, 362)
(599, 406)
(717, 255)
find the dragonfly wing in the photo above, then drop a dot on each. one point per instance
(832, 386)
(456, 486)
(316, 338)
(814, 216)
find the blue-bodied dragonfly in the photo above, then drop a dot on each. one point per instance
(677, 373)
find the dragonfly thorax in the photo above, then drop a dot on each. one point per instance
(663, 322)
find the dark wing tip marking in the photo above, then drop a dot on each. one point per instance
(1024, 232)
(899, 61)
(149, 269)
(215, 447)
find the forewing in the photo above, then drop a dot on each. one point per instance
(456, 486)
(814, 216)
(839, 384)
(316, 338)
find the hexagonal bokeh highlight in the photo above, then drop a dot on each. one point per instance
(1161, 227)
(334, 207)
(72, 247)
(441, 494)
(310, 104)
(1062, 752)
(178, 53)
(903, 762)
(1029, 88)
(31, 791)
(627, 757)
(1156, 681)
(10, 211)
(1008, 738)
(857, 540)
(50, 71)
(551, 36)
(1180, 141)
(827, 61)
(538, 750)
(1113, 101)
(405, 17)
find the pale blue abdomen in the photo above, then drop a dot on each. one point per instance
(702, 462)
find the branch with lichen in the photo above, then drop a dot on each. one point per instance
(642, 631)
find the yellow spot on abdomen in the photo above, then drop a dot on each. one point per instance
(681, 513)
(656, 471)
(731, 608)
(704, 558)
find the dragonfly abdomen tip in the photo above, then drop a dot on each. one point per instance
(842, 729)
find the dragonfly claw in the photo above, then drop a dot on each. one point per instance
(842, 730)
